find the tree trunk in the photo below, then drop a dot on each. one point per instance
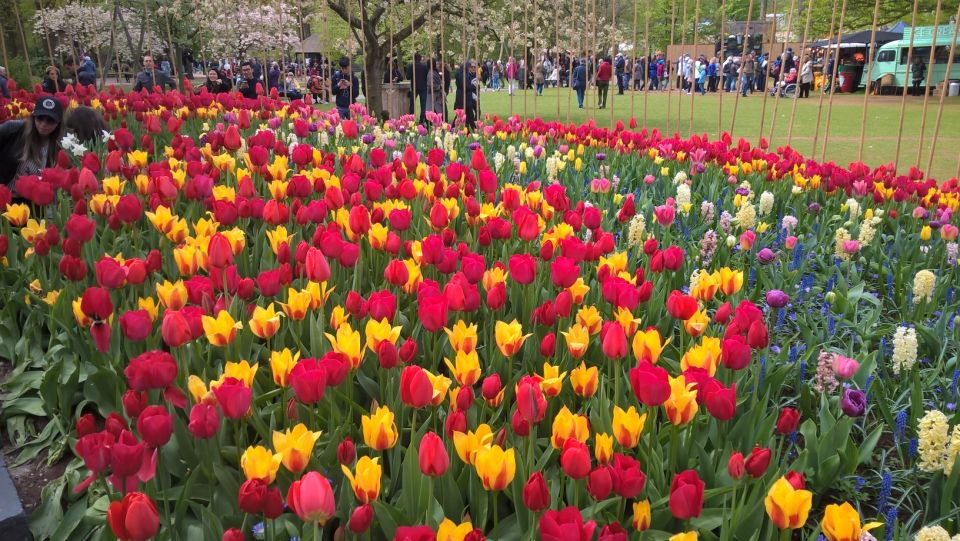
(373, 69)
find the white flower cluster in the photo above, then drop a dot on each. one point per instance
(635, 232)
(683, 197)
(680, 177)
(868, 230)
(904, 349)
(71, 144)
(766, 203)
(854, 207)
(746, 217)
(924, 283)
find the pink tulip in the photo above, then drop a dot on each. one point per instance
(311, 498)
(845, 367)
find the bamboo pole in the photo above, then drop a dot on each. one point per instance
(443, 66)
(816, 131)
(173, 60)
(594, 64)
(926, 91)
(303, 53)
(668, 62)
(737, 81)
(3, 43)
(366, 74)
(806, 58)
(780, 79)
(526, 63)
(413, 64)
(463, 63)
(943, 93)
(696, 40)
(721, 59)
(573, 13)
(833, 81)
(430, 60)
(680, 75)
(46, 32)
(633, 83)
(765, 74)
(509, 66)
(646, 76)
(906, 73)
(871, 54)
(23, 39)
(557, 63)
(616, 50)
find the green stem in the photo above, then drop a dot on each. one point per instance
(317, 532)
(785, 534)
(496, 511)
(426, 512)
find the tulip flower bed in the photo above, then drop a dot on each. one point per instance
(250, 319)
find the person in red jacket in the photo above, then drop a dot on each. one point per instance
(604, 73)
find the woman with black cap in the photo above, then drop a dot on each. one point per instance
(29, 146)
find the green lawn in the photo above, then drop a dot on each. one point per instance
(883, 115)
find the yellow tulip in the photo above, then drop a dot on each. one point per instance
(281, 364)
(509, 337)
(617, 262)
(366, 481)
(578, 290)
(265, 322)
(495, 467)
(377, 236)
(730, 280)
(626, 320)
(584, 380)
(648, 345)
(627, 426)
(172, 296)
(704, 355)
(685, 536)
(278, 189)
(462, 337)
(279, 168)
(603, 448)
(277, 237)
(33, 230)
(465, 368)
(578, 340)
(222, 330)
(150, 305)
(925, 233)
(237, 239)
(379, 429)
(494, 276)
(318, 294)
(842, 523)
(295, 446)
(552, 381)
(198, 390)
(468, 443)
(682, 404)
(189, 259)
(138, 158)
(786, 506)
(697, 324)
(450, 531)
(297, 305)
(337, 317)
(590, 317)
(707, 286)
(641, 515)
(347, 342)
(83, 320)
(259, 463)
(379, 331)
(440, 386)
(242, 371)
(567, 425)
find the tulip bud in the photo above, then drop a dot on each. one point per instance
(536, 495)
(735, 466)
(346, 452)
(756, 464)
(360, 519)
(788, 421)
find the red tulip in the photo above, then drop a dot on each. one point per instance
(735, 352)
(135, 518)
(628, 479)
(234, 398)
(600, 483)
(788, 421)
(350, 129)
(110, 273)
(95, 451)
(612, 532)
(758, 461)
(721, 401)
(414, 533)
(686, 495)
(536, 495)
(565, 525)
(346, 452)
(736, 467)
(136, 325)
(614, 340)
(311, 498)
(575, 459)
(96, 303)
(795, 478)
(251, 496)
(233, 534)
(219, 251)
(316, 267)
(650, 383)
(204, 421)
(175, 328)
(308, 379)
(523, 268)
(155, 425)
(433, 312)
(681, 306)
(564, 272)
(151, 370)
(757, 335)
(86, 424)
(531, 404)
(432, 455)
(396, 273)
(416, 390)
(360, 519)
(231, 139)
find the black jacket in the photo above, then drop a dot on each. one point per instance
(11, 148)
(466, 87)
(217, 88)
(420, 82)
(345, 96)
(146, 79)
(52, 87)
(248, 87)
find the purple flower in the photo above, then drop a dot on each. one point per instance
(777, 298)
(601, 156)
(473, 146)
(814, 208)
(766, 256)
(367, 138)
(853, 403)
(743, 191)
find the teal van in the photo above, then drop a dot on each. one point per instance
(892, 57)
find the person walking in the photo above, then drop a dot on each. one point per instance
(806, 77)
(712, 69)
(620, 68)
(4, 81)
(151, 77)
(511, 71)
(436, 89)
(748, 70)
(538, 77)
(578, 81)
(918, 70)
(652, 75)
(604, 73)
(466, 98)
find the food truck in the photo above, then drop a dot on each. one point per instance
(892, 64)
